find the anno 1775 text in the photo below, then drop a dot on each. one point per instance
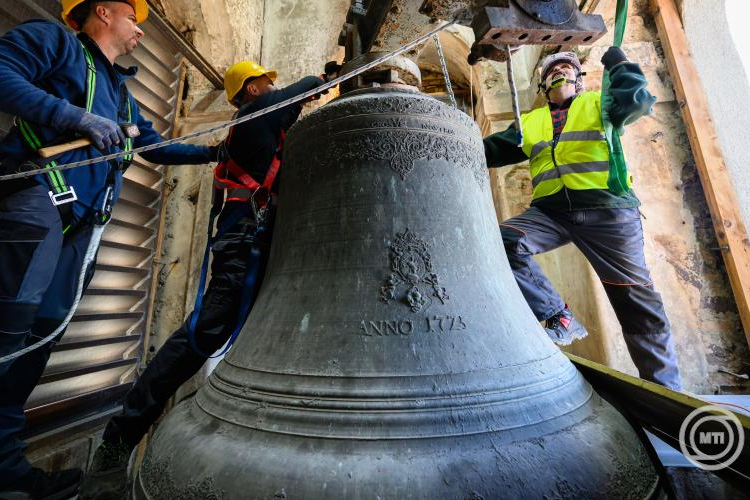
(404, 327)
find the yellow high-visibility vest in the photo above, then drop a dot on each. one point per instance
(578, 159)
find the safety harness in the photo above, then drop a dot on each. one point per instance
(62, 196)
(258, 198)
(246, 188)
(61, 193)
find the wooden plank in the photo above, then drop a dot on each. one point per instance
(709, 160)
(663, 411)
(588, 6)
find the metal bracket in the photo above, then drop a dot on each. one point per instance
(68, 196)
(514, 25)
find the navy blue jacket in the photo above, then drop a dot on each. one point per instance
(254, 143)
(43, 75)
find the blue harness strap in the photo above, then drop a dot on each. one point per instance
(247, 298)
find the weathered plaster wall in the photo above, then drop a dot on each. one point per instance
(679, 242)
(224, 31)
(725, 84)
(300, 36)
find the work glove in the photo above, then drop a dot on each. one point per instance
(613, 57)
(103, 132)
(315, 97)
(331, 71)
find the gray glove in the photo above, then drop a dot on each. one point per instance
(103, 132)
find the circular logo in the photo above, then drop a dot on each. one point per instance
(711, 437)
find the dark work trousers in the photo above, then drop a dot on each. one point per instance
(176, 361)
(39, 271)
(612, 241)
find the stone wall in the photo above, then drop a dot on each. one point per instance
(224, 31)
(300, 36)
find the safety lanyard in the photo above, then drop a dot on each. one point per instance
(247, 296)
(60, 192)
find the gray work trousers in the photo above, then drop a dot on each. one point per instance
(612, 242)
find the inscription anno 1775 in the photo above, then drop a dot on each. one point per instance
(430, 324)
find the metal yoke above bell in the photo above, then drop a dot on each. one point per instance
(390, 353)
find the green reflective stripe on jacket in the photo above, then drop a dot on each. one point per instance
(57, 181)
(578, 159)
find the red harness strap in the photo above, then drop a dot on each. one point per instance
(247, 187)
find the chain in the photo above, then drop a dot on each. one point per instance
(245, 118)
(514, 98)
(446, 76)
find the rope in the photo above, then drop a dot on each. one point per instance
(471, 90)
(236, 121)
(93, 246)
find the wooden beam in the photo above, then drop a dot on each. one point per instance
(709, 160)
(588, 6)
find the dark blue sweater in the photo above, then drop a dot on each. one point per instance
(254, 143)
(43, 75)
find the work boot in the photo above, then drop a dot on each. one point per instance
(107, 478)
(38, 484)
(563, 328)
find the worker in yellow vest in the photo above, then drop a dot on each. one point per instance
(568, 156)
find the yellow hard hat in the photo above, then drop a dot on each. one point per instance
(239, 72)
(139, 6)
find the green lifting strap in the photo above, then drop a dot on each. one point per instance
(618, 181)
(55, 178)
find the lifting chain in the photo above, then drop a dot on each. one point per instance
(448, 85)
(514, 98)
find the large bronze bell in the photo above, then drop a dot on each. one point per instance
(390, 353)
